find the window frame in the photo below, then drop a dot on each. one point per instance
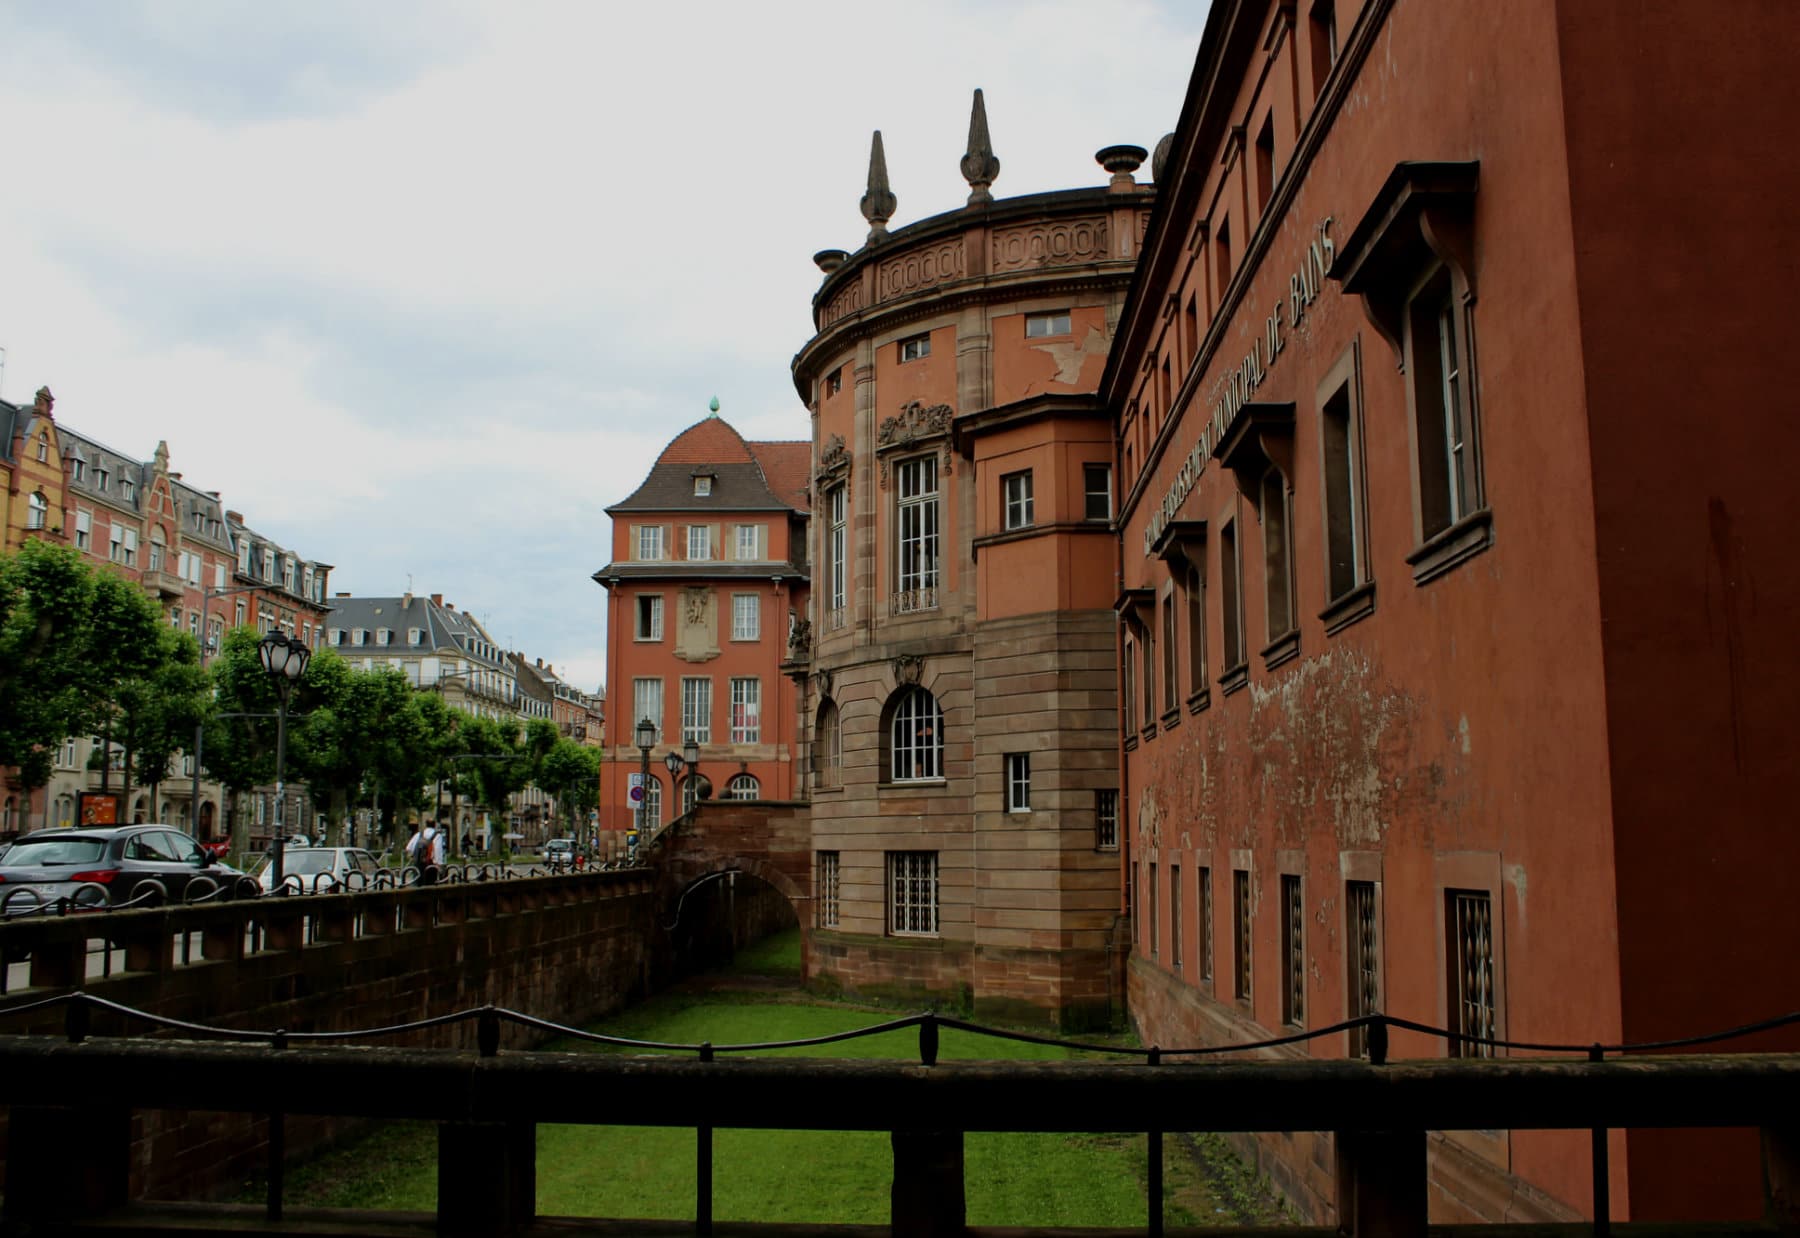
(1048, 324)
(696, 709)
(909, 875)
(1017, 504)
(918, 552)
(741, 782)
(1016, 781)
(1293, 950)
(648, 543)
(837, 546)
(699, 536)
(643, 688)
(755, 532)
(828, 745)
(916, 709)
(752, 629)
(1088, 491)
(648, 618)
(1243, 986)
(1343, 494)
(828, 881)
(1234, 655)
(912, 348)
(745, 703)
(1106, 819)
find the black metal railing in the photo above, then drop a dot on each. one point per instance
(486, 1102)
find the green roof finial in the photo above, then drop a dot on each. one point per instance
(714, 406)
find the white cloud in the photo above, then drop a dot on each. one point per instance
(422, 288)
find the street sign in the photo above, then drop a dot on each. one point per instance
(636, 793)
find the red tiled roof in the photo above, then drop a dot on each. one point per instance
(711, 441)
(785, 465)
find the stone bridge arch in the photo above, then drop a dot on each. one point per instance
(768, 840)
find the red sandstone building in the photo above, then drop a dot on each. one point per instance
(961, 696)
(1458, 595)
(708, 577)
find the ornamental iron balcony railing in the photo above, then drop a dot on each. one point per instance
(911, 601)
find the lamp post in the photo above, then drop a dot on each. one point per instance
(688, 761)
(206, 597)
(646, 740)
(285, 659)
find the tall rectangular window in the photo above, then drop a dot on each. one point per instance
(647, 702)
(1018, 781)
(749, 542)
(1324, 40)
(1293, 951)
(1196, 634)
(1449, 482)
(1222, 254)
(1015, 491)
(649, 542)
(1205, 911)
(837, 545)
(830, 894)
(131, 544)
(746, 711)
(1341, 457)
(912, 893)
(1362, 960)
(696, 709)
(1147, 647)
(84, 529)
(1128, 686)
(916, 483)
(1171, 653)
(649, 617)
(1096, 487)
(1175, 916)
(1231, 599)
(746, 616)
(1240, 933)
(699, 539)
(1265, 163)
(1469, 921)
(1278, 554)
(1153, 926)
(1106, 820)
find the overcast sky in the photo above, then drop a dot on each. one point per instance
(421, 286)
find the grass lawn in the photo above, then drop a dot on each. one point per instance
(804, 1176)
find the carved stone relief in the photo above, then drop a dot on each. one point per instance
(848, 300)
(921, 268)
(697, 634)
(835, 457)
(1054, 243)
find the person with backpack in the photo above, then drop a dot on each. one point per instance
(427, 853)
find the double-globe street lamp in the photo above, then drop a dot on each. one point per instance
(284, 658)
(646, 740)
(687, 762)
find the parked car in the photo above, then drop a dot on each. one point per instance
(560, 853)
(319, 869)
(109, 866)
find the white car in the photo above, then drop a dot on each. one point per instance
(319, 870)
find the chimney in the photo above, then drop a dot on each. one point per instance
(213, 493)
(450, 606)
(406, 601)
(342, 595)
(235, 517)
(540, 663)
(437, 599)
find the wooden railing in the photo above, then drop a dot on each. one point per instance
(71, 1100)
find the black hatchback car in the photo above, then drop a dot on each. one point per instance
(109, 866)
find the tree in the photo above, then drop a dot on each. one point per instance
(362, 726)
(241, 732)
(571, 772)
(68, 636)
(158, 710)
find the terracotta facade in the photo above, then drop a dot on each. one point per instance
(1436, 634)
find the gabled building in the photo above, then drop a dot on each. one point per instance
(434, 645)
(707, 581)
(35, 495)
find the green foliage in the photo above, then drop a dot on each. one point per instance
(69, 636)
(158, 711)
(571, 772)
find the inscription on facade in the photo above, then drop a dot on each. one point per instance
(1234, 389)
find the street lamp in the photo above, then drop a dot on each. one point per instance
(688, 761)
(206, 597)
(646, 740)
(285, 658)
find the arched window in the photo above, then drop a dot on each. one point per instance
(743, 787)
(915, 737)
(690, 792)
(65, 811)
(40, 511)
(828, 746)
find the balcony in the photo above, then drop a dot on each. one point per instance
(165, 584)
(912, 601)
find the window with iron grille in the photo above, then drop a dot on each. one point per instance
(1015, 491)
(1206, 923)
(746, 711)
(912, 893)
(916, 745)
(696, 709)
(1175, 916)
(1018, 782)
(1106, 820)
(746, 616)
(1293, 951)
(828, 889)
(916, 484)
(1363, 960)
(1240, 932)
(1469, 920)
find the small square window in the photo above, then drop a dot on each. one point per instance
(1018, 782)
(834, 382)
(703, 485)
(1038, 326)
(1016, 491)
(914, 347)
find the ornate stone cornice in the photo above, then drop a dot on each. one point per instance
(915, 426)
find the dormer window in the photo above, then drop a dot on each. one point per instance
(126, 490)
(702, 485)
(101, 477)
(77, 468)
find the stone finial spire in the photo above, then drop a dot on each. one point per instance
(43, 402)
(878, 202)
(979, 166)
(160, 462)
(712, 406)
